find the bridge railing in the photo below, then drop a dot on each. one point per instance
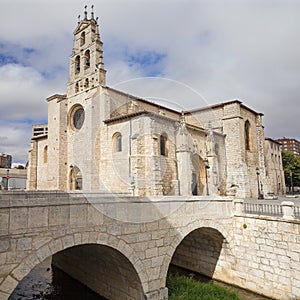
(297, 212)
(286, 209)
(263, 209)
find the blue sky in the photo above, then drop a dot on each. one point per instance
(211, 51)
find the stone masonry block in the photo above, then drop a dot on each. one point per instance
(4, 221)
(43, 252)
(4, 245)
(9, 284)
(153, 252)
(24, 244)
(21, 271)
(37, 217)
(78, 215)
(18, 219)
(59, 215)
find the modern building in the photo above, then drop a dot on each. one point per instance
(99, 138)
(290, 145)
(5, 161)
(39, 130)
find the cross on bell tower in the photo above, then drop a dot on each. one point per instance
(86, 61)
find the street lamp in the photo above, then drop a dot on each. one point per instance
(71, 177)
(292, 185)
(7, 178)
(260, 195)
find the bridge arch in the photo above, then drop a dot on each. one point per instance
(79, 244)
(203, 247)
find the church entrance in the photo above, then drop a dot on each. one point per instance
(75, 178)
(198, 176)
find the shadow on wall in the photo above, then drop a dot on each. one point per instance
(108, 271)
(199, 251)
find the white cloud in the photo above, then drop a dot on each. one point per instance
(21, 89)
(247, 50)
(15, 139)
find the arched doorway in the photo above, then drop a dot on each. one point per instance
(75, 178)
(198, 176)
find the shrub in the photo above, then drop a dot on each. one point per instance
(186, 288)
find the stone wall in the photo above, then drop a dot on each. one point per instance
(229, 119)
(31, 183)
(56, 141)
(275, 182)
(146, 235)
(42, 164)
(37, 225)
(267, 256)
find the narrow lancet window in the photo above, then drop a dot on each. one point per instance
(117, 142)
(247, 135)
(87, 59)
(82, 39)
(163, 142)
(77, 64)
(45, 154)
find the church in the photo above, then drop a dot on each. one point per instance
(101, 139)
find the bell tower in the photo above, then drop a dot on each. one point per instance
(86, 61)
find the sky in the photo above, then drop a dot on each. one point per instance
(181, 53)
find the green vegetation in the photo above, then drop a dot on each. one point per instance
(186, 288)
(291, 167)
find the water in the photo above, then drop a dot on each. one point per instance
(46, 282)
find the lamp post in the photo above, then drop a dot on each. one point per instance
(71, 177)
(292, 185)
(260, 196)
(7, 178)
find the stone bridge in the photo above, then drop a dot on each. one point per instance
(122, 247)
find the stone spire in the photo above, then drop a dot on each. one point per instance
(86, 62)
(85, 13)
(92, 12)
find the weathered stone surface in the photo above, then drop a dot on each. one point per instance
(199, 239)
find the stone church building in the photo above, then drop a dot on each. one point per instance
(99, 138)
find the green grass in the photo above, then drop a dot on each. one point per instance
(186, 288)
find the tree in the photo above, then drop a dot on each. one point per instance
(291, 167)
(20, 167)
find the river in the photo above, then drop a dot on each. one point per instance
(46, 282)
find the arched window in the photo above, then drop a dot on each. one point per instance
(247, 135)
(86, 83)
(75, 178)
(76, 87)
(82, 38)
(87, 58)
(77, 64)
(163, 144)
(45, 154)
(117, 140)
